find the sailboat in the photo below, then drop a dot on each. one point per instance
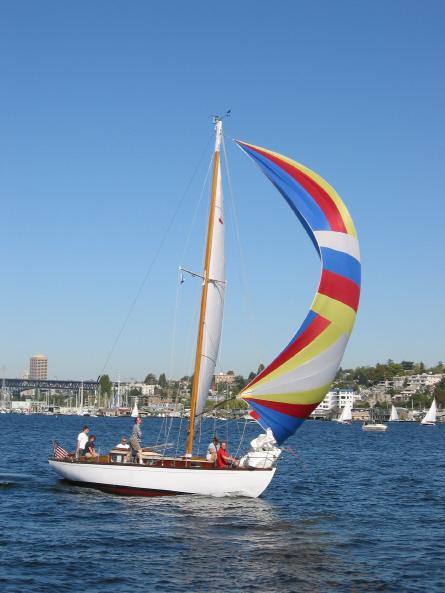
(394, 417)
(284, 393)
(346, 414)
(135, 410)
(430, 417)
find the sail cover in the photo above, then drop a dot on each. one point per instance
(284, 394)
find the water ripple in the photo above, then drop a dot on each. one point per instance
(364, 514)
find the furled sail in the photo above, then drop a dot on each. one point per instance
(216, 289)
(284, 394)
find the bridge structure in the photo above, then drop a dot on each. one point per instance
(16, 386)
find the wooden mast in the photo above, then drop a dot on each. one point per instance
(205, 287)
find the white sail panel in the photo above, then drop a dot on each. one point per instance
(317, 372)
(215, 298)
(346, 413)
(430, 417)
(394, 415)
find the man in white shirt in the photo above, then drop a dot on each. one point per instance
(122, 444)
(82, 440)
(125, 447)
(212, 450)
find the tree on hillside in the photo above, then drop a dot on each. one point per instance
(150, 379)
(439, 393)
(162, 380)
(419, 368)
(238, 384)
(407, 365)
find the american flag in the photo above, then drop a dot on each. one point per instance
(59, 452)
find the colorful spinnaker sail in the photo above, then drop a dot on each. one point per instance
(284, 394)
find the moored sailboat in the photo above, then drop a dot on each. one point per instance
(282, 395)
(394, 417)
(346, 414)
(135, 410)
(430, 416)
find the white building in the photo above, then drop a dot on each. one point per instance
(224, 378)
(336, 399)
(148, 390)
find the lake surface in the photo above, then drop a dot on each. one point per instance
(354, 512)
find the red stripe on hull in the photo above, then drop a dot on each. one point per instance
(321, 197)
(297, 410)
(126, 490)
(314, 329)
(340, 288)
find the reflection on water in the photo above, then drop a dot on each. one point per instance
(359, 517)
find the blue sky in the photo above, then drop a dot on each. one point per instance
(105, 114)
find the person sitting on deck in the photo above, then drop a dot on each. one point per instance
(136, 440)
(224, 460)
(90, 451)
(212, 450)
(122, 444)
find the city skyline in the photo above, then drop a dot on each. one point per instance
(105, 120)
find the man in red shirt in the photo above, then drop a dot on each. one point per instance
(224, 460)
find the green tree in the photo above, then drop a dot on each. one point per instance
(407, 365)
(238, 384)
(105, 385)
(162, 380)
(135, 392)
(150, 379)
(439, 393)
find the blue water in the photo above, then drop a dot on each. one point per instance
(363, 513)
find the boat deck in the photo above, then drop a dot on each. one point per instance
(151, 459)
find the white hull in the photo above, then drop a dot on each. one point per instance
(132, 479)
(374, 427)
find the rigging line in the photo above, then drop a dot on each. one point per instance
(179, 436)
(241, 440)
(156, 255)
(197, 207)
(200, 437)
(244, 277)
(294, 454)
(160, 430)
(170, 424)
(175, 324)
(222, 403)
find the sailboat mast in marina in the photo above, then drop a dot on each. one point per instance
(286, 391)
